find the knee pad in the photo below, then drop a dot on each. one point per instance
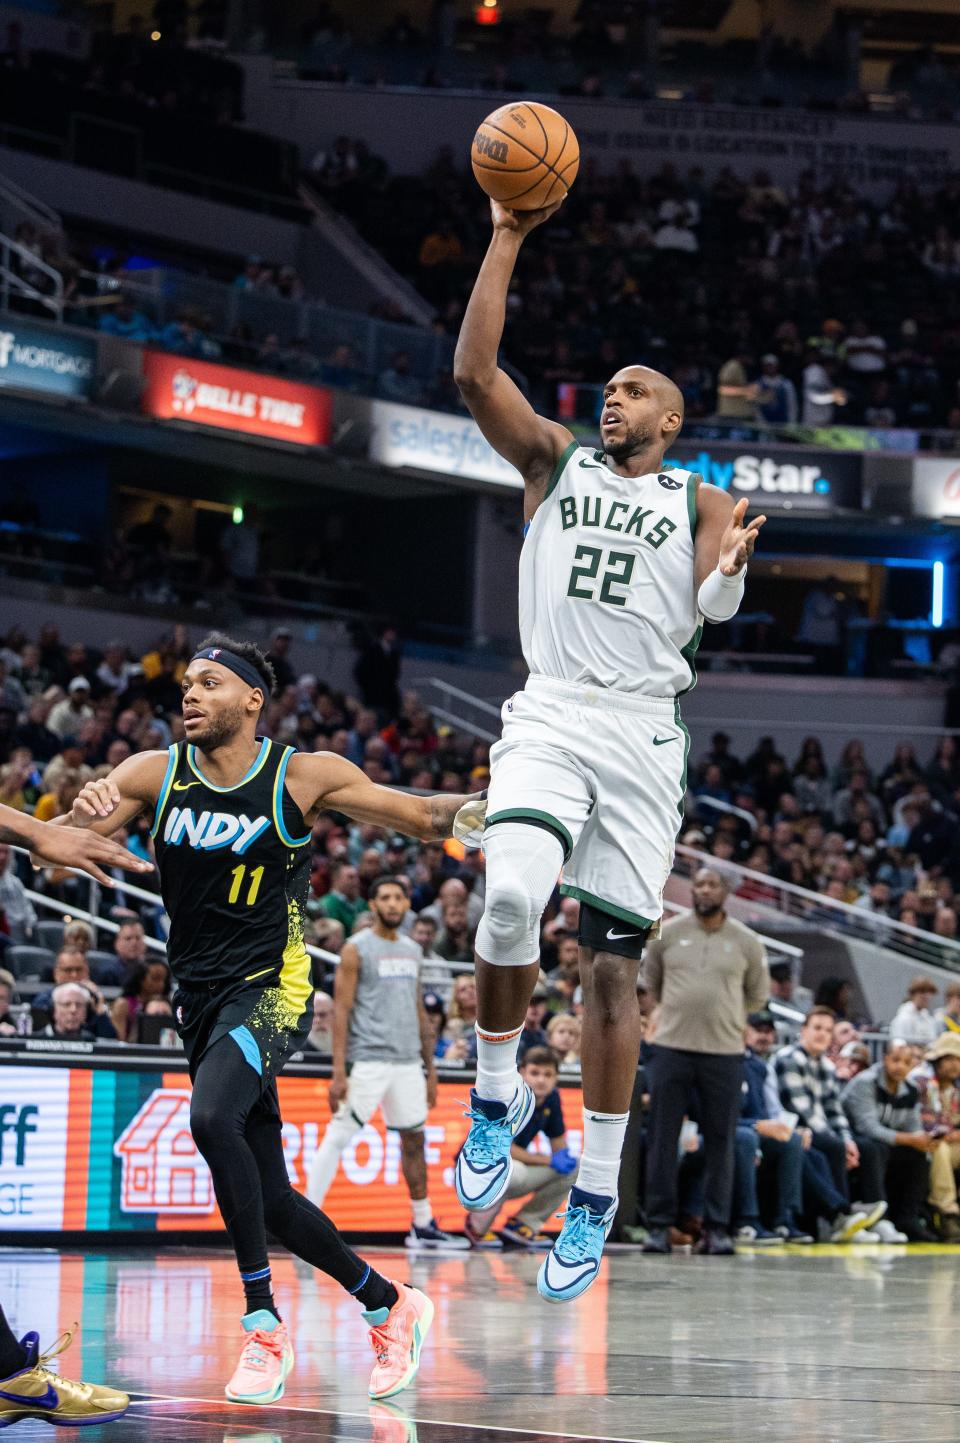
(523, 865)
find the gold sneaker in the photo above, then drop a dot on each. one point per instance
(37, 1392)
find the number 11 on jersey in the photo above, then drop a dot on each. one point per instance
(238, 873)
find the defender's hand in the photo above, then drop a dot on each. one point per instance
(738, 541)
(94, 801)
(65, 847)
(522, 222)
(468, 823)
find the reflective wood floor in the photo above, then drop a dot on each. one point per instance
(797, 1346)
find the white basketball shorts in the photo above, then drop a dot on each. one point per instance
(607, 772)
(399, 1089)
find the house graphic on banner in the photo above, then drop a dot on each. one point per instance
(162, 1170)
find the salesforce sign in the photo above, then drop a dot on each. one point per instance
(39, 358)
(780, 476)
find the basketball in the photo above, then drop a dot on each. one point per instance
(525, 155)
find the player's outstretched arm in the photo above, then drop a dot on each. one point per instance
(66, 848)
(530, 442)
(112, 802)
(723, 546)
(322, 781)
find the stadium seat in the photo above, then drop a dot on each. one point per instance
(49, 934)
(29, 961)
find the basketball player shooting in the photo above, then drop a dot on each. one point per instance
(622, 562)
(232, 816)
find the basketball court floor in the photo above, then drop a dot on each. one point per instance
(851, 1344)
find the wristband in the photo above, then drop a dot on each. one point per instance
(720, 596)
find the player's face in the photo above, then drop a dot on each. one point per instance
(634, 413)
(390, 905)
(216, 705)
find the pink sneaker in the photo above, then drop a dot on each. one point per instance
(397, 1336)
(266, 1360)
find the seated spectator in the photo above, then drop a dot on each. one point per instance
(533, 1034)
(397, 383)
(78, 937)
(809, 1090)
(853, 1059)
(940, 1113)
(8, 1027)
(343, 902)
(71, 1011)
(462, 1020)
(776, 394)
(144, 982)
(72, 966)
(424, 933)
(437, 1018)
(915, 1020)
(16, 909)
(548, 1176)
(563, 1036)
(883, 1109)
(785, 988)
(68, 716)
(129, 948)
(835, 994)
(320, 1036)
(126, 321)
(766, 1138)
(948, 1015)
(455, 939)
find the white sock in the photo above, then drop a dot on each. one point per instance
(603, 1134)
(496, 1064)
(422, 1212)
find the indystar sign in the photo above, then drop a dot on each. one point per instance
(781, 475)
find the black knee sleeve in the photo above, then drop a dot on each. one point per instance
(604, 933)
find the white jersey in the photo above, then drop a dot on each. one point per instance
(607, 581)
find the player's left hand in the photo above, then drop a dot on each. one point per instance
(83, 850)
(468, 823)
(431, 1089)
(736, 546)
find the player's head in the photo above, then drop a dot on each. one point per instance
(641, 407)
(388, 901)
(225, 688)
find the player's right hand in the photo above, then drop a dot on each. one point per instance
(337, 1090)
(522, 222)
(65, 847)
(94, 801)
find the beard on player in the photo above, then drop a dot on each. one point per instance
(221, 728)
(636, 438)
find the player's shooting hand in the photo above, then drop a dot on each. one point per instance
(736, 546)
(94, 801)
(84, 850)
(522, 222)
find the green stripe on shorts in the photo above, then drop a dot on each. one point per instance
(530, 814)
(621, 913)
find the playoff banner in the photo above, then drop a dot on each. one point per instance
(98, 1150)
(179, 388)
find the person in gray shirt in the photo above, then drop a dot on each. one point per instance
(884, 1113)
(383, 1056)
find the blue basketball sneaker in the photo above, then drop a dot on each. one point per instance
(483, 1169)
(574, 1260)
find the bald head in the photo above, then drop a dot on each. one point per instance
(642, 414)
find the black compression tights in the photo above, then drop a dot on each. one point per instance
(12, 1355)
(239, 1135)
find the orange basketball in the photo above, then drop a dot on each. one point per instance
(525, 155)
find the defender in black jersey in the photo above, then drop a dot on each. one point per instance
(232, 818)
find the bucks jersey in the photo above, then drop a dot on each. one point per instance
(607, 582)
(234, 870)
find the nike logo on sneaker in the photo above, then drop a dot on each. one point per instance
(662, 741)
(49, 1399)
(620, 936)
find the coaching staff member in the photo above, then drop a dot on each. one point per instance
(707, 973)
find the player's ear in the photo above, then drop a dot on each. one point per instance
(672, 421)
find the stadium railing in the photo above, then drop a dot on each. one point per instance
(767, 896)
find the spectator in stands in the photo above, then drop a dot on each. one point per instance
(776, 394)
(68, 716)
(707, 972)
(915, 1020)
(71, 1012)
(547, 1176)
(145, 982)
(533, 1034)
(130, 950)
(18, 917)
(455, 939)
(563, 1036)
(8, 1027)
(883, 1109)
(377, 674)
(765, 1140)
(836, 994)
(72, 966)
(126, 321)
(948, 1015)
(940, 1113)
(278, 657)
(320, 1037)
(808, 1088)
(343, 902)
(397, 382)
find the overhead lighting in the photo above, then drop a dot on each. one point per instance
(238, 515)
(155, 34)
(936, 602)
